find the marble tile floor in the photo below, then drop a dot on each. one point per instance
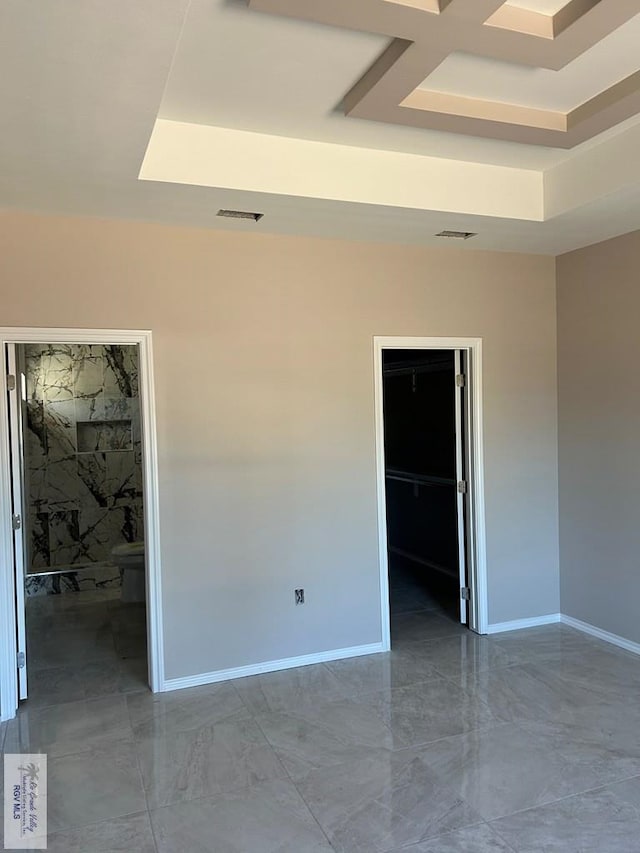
(452, 743)
(83, 645)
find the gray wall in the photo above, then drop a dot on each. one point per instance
(264, 383)
(599, 425)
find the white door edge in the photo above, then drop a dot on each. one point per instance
(460, 439)
(477, 568)
(14, 402)
(155, 644)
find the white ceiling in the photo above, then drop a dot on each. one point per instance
(81, 85)
(241, 69)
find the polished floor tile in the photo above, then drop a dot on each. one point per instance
(290, 688)
(478, 838)
(511, 767)
(547, 644)
(92, 786)
(399, 668)
(517, 692)
(163, 714)
(70, 728)
(429, 711)
(59, 646)
(451, 743)
(603, 821)
(267, 818)
(386, 801)
(325, 735)
(211, 760)
(87, 681)
(464, 654)
(131, 834)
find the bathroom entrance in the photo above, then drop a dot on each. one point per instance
(77, 453)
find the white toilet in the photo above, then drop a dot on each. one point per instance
(130, 559)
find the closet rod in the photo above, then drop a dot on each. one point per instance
(418, 479)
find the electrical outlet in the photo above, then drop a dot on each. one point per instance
(299, 593)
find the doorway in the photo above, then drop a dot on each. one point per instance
(79, 480)
(430, 487)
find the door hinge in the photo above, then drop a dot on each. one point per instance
(462, 487)
(16, 521)
(11, 382)
(465, 593)
(461, 380)
(21, 660)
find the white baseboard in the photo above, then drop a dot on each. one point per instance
(614, 639)
(269, 666)
(518, 624)
(376, 648)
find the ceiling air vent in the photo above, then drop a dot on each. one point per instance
(240, 214)
(457, 235)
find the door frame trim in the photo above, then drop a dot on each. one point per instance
(477, 569)
(155, 636)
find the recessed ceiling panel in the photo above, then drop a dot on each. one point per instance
(541, 76)
(607, 63)
(542, 7)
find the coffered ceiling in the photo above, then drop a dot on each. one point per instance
(425, 34)
(367, 119)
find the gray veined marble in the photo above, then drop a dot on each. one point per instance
(478, 838)
(104, 435)
(88, 373)
(92, 786)
(383, 802)
(121, 371)
(164, 714)
(517, 693)
(325, 735)
(509, 768)
(546, 644)
(36, 433)
(207, 761)
(130, 834)
(430, 711)
(606, 820)
(90, 408)
(557, 780)
(57, 369)
(297, 688)
(63, 490)
(60, 426)
(64, 537)
(71, 728)
(82, 451)
(39, 554)
(266, 818)
(122, 478)
(399, 668)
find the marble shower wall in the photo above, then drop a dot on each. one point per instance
(83, 458)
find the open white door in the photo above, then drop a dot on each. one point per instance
(16, 436)
(461, 477)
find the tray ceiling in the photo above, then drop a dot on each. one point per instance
(547, 36)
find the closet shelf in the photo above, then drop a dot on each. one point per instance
(418, 479)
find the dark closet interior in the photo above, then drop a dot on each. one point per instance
(421, 476)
